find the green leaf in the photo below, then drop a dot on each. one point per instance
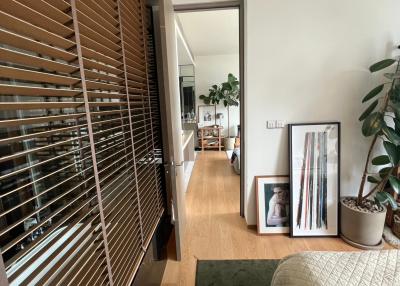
(373, 92)
(385, 171)
(391, 134)
(396, 109)
(232, 78)
(381, 65)
(202, 96)
(372, 180)
(226, 86)
(393, 152)
(395, 183)
(377, 202)
(372, 124)
(394, 94)
(231, 102)
(368, 110)
(396, 125)
(385, 198)
(381, 160)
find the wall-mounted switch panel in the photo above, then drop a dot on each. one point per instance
(280, 124)
(273, 124)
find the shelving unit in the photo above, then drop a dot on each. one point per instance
(213, 141)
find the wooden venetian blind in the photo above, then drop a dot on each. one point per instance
(155, 111)
(80, 144)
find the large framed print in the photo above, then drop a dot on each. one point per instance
(314, 155)
(272, 196)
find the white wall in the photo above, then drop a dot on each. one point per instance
(184, 54)
(212, 70)
(306, 61)
(180, 2)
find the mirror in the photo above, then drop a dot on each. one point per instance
(187, 93)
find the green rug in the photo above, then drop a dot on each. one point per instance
(235, 272)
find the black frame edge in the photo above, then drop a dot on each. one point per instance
(290, 126)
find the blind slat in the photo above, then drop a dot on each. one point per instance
(25, 13)
(25, 43)
(7, 55)
(27, 29)
(49, 9)
(28, 75)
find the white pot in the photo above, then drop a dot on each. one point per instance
(229, 143)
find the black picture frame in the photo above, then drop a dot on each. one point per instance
(263, 229)
(292, 177)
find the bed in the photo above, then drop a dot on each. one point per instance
(339, 268)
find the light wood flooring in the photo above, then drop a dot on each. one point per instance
(216, 231)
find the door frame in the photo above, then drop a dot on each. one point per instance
(238, 4)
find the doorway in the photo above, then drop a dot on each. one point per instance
(211, 57)
(178, 143)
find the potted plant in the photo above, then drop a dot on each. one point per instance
(230, 90)
(228, 93)
(363, 217)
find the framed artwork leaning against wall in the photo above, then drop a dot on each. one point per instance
(207, 114)
(314, 155)
(272, 197)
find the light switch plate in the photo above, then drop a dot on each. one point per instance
(280, 124)
(271, 124)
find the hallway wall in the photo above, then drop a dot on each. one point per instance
(306, 61)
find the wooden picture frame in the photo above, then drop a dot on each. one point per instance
(272, 199)
(314, 162)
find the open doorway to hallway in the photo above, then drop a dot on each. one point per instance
(209, 71)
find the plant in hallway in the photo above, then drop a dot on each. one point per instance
(229, 93)
(215, 95)
(363, 217)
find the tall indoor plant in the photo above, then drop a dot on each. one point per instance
(363, 219)
(229, 93)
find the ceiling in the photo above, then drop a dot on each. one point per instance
(211, 32)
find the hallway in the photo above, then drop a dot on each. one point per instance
(215, 230)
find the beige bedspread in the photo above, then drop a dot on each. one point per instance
(339, 268)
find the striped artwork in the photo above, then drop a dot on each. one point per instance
(314, 178)
(312, 205)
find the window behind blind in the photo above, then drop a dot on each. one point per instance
(80, 144)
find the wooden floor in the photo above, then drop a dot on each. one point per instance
(216, 231)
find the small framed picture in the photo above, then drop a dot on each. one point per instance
(272, 196)
(207, 114)
(314, 157)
